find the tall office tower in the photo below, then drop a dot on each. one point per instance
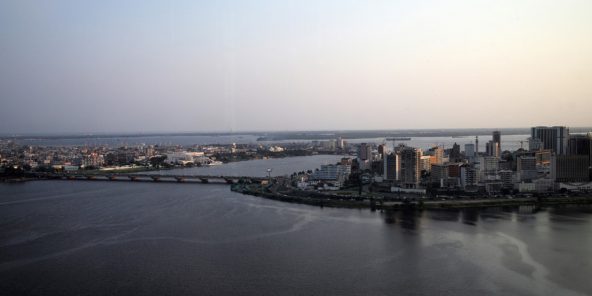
(489, 148)
(410, 167)
(476, 145)
(455, 153)
(492, 149)
(438, 152)
(581, 145)
(470, 150)
(554, 138)
(578, 145)
(392, 166)
(468, 175)
(439, 174)
(426, 163)
(340, 143)
(526, 168)
(365, 152)
(382, 151)
(570, 168)
(497, 138)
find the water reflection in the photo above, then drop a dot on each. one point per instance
(470, 216)
(411, 220)
(406, 219)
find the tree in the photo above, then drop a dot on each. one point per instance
(157, 161)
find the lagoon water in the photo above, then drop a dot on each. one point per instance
(509, 142)
(123, 238)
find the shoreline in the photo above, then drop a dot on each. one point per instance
(417, 204)
(317, 199)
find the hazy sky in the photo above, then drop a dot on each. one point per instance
(120, 66)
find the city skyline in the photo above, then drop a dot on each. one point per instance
(110, 67)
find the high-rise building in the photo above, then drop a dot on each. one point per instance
(340, 143)
(468, 175)
(382, 151)
(455, 153)
(554, 138)
(334, 173)
(497, 138)
(438, 153)
(526, 168)
(410, 167)
(570, 168)
(439, 174)
(392, 166)
(470, 150)
(426, 163)
(365, 151)
(578, 145)
(488, 167)
(492, 148)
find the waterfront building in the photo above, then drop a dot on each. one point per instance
(570, 168)
(578, 145)
(507, 178)
(494, 187)
(392, 166)
(554, 138)
(526, 166)
(581, 145)
(544, 185)
(410, 167)
(524, 187)
(334, 174)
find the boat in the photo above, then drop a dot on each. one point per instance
(214, 163)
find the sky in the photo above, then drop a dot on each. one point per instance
(176, 66)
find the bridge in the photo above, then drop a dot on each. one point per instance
(201, 179)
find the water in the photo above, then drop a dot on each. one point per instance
(257, 168)
(509, 142)
(116, 141)
(124, 238)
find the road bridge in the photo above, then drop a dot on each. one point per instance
(118, 177)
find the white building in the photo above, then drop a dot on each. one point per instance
(334, 174)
